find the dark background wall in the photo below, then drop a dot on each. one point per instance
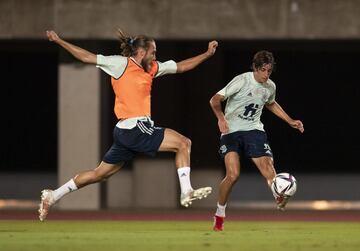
(317, 82)
(28, 105)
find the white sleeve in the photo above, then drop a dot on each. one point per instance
(232, 87)
(168, 67)
(112, 65)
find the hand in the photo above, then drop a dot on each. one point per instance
(212, 48)
(223, 126)
(297, 124)
(52, 36)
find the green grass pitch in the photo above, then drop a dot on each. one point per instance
(177, 235)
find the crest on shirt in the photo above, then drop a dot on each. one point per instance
(223, 149)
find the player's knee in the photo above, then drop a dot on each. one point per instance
(188, 143)
(184, 144)
(233, 176)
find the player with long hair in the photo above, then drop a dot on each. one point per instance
(132, 74)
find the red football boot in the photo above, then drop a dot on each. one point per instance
(218, 223)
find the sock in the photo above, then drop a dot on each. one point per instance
(64, 189)
(220, 211)
(184, 179)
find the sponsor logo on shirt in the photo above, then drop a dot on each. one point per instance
(250, 111)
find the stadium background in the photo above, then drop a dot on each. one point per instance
(57, 116)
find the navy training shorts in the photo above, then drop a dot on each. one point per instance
(143, 138)
(252, 144)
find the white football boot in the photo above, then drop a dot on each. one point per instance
(197, 194)
(47, 200)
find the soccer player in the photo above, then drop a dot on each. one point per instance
(132, 74)
(242, 132)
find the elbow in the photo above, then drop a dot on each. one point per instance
(83, 59)
(183, 67)
(213, 101)
(180, 69)
(86, 60)
(216, 100)
(89, 59)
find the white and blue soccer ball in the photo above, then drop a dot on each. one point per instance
(284, 184)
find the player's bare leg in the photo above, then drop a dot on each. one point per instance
(50, 197)
(232, 164)
(99, 174)
(265, 164)
(181, 145)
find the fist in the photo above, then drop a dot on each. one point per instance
(297, 124)
(212, 47)
(52, 36)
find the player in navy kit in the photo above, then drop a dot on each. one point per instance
(241, 129)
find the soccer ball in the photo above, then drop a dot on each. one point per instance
(284, 184)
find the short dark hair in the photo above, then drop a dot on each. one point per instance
(129, 44)
(261, 58)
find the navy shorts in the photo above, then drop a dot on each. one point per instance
(252, 144)
(143, 138)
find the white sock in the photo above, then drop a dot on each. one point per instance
(220, 211)
(184, 179)
(68, 187)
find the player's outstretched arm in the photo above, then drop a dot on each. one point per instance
(278, 111)
(191, 63)
(81, 54)
(215, 103)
